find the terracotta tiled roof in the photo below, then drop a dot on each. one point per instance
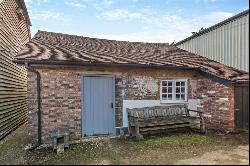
(47, 48)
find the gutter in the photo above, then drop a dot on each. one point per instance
(49, 63)
(62, 64)
(38, 90)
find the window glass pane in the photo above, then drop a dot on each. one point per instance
(170, 97)
(182, 89)
(173, 90)
(178, 90)
(164, 83)
(164, 96)
(182, 96)
(164, 90)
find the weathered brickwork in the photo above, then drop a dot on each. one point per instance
(142, 87)
(119, 96)
(61, 102)
(218, 102)
(32, 108)
(61, 96)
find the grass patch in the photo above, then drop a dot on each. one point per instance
(11, 147)
(174, 140)
(114, 158)
(18, 141)
(80, 153)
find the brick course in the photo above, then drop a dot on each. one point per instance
(61, 96)
(217, 101)
(32, 108)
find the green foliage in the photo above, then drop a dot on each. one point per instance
(11, 147)
(174, 140)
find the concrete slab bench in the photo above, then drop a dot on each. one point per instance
(161, 118)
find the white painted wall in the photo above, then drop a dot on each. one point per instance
(192, 104)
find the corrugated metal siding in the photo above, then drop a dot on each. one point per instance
(14, 33)
(228, 44)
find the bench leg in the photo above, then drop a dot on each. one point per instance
(202, 126)
(131, 130)
(137, 132)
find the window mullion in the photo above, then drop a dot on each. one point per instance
(167, 90)
(186, 90)
(161, 89)
(174, 90)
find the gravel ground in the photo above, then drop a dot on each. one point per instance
(177, 149)
(237, 156)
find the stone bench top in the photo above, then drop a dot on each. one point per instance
(158, 111)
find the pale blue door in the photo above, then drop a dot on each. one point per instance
(98, 113)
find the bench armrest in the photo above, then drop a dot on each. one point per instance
(200, 113)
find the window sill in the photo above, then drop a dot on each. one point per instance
(173, 102)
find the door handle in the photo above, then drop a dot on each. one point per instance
(236, 109)
(112, 105)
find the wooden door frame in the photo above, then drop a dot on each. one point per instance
(237, 128)
(82, 100)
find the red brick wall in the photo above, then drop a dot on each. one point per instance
(61, 96)
(32, 108)
(217, 101)
(61, 102)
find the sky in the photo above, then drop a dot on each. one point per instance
(158, 21)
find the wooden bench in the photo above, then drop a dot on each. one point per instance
(162, 118)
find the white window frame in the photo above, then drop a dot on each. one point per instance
(174, 91)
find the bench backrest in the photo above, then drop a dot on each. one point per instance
(159, 111)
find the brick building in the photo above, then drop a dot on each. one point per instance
(86, 84)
